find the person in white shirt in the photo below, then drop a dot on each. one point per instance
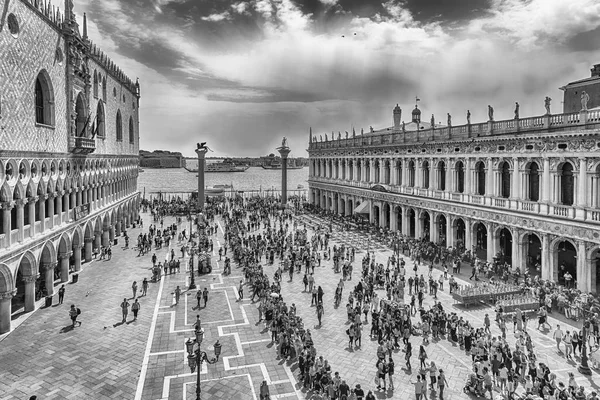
(558, 335)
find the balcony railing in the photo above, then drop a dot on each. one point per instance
(82, 145)
(500, 203)
(392, 136)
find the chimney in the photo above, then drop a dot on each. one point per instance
(596, 70)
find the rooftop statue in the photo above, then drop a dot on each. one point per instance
(584, 100)
(371, 128)
(284, 142)
(403, 127)
(449, 120)
(490, 112)
(432, 121)
(547, 101)
(516, 110)
(468, 117)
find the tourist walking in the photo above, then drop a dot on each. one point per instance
(241, 290)
(422, 357)
(319, 312)
(134, 288)
(177, 295)
(144, 286)
(390, 369)
(442, 383)
(61, 294)
(74, 313)
(205, 296)
(558, 335)
(198, 298)
(135, 308)
(125, 309)
(264, 391)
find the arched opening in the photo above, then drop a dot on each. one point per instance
(387, 173)
(460, 177)
(351, 170)
(442, 229)
(342, 209)
(95, 84)
(567, 263)
(131, 131)
(411, 173)
(425, 171)
(504, 180)
(441, 176)
(532, 177)
(359, 170)
(411, 223)
(14, 223)
(100, 120)
(44, 99)
(343, 166)
(119, 127)
(532, 247)
(567, 184)
(399, 173)
(505, 240)
(480, 178)
(376, 215)
(480, 240)
(81, 118)
(426, 221)
(367, 171)
(377, 171)
(24, 300)
(461, 230)
(104, 89)
(595, 266)
(386, 216)
(399, 219)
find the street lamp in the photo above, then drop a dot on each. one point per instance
(196, 357)
(588, 310)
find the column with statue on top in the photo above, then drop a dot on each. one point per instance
(284, 151)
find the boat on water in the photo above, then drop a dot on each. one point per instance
(223, 166)
(140, 169)
(276, 164)
(300, 187)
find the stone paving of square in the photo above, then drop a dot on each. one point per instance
(146, 359)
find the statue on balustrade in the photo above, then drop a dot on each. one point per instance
(339, 135)
(371, 128)
(516, 110)
(403, 127)
(353, 133)
(325, 137)
(320, 138)
(490, 112)
(284, 142)
(432, 121)
(346, 134)
(362, 131)
(547, 101)
(449, 120)
(584, 100)
(468, 117)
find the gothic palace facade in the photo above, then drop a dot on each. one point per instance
(525, 190)
(69, 143)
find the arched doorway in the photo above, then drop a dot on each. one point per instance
(460, 177)
(532, 181)
(461, 229)
(442, 229)
(426, 224)
(566, 256)
(532, 254)
(480, 240)
(377, 171)
(441, 176)
(399, 173)
(480, 178)
(376, 215)
(387, 173)
(504, 246)
(411, 223)
(359, 170)
(342, 209)
(399, 218)
(386, 216)
(411, 173)
(565, 175)
(46, 271)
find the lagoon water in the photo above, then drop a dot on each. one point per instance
(254, 178)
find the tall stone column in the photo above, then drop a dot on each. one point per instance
(582, 189)
(89, 249)
(491, 243)
(77, 257)
(29, 292)
(64, 266)
(5, 310)
(284, 151)
(31, 221)
(517, 259)
(201, 152)
(49, 276)
(583, 269)
(20, 204)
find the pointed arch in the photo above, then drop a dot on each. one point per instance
(104, 88)
(7, 282)
(119, 127)
(95, 84)
(44, 99)
(131, 131)
(100, 120)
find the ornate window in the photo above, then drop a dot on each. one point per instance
(131, 131)
(44, 100)
(100, 118)
(104, 89)
(119, 127)
(95, 84)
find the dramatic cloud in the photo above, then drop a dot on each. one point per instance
(242, 75)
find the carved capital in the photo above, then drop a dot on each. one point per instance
(77, 246)
(8, 205)
(8, 295)
(30, 278)
(88, 240)
(62, 256)
(49, 266)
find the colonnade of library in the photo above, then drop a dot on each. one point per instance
(543, 254)
(567, 182)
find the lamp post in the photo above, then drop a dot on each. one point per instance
(587, 310)
(196, 356)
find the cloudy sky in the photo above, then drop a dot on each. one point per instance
(240, 75)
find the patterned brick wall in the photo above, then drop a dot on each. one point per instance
(128, 108)
(21, 60)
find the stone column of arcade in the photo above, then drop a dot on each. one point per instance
(64, 266)
(77, 257)
(49, 277)
(284, 150)
(30, 292)
(5, 304)
(201, 152)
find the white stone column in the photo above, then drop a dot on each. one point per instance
(468, 234)
(546, 183)
(491, 242)
(582, 189)
(516, 250)
(468, 172)
(5, 310)
(516, 192)
(546, 266)
(583, 271)
(450, 232)
(29, 292)
(64, 266)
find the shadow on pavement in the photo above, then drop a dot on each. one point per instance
(67, 328)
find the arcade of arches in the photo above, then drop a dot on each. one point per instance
(543, 254)
(54, 213)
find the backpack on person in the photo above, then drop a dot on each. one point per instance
(78, 311)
